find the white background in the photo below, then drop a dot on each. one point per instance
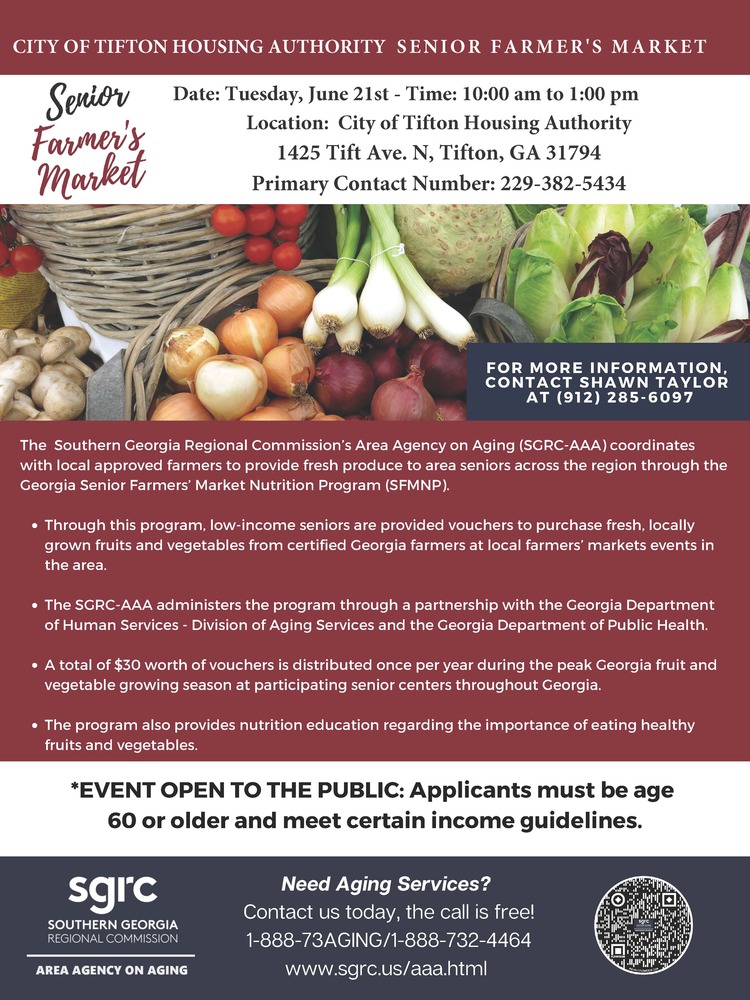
(683, 144)
(707, 816)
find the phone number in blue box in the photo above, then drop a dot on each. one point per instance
(608, 382)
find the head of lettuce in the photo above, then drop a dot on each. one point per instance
(593, 319)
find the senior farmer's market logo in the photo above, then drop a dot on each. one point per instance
(53, 148)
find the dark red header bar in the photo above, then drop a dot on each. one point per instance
(341, 39)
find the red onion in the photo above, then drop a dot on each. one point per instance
(331, 346)
(451, 409)
(359, 416)
(385, 363)
(404, 399)
(401, 338)
(445, 369)
(415, 351)
(343, 384)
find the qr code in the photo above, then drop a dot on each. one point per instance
(643, 925)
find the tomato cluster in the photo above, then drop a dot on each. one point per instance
(272, 231)
(16, 257)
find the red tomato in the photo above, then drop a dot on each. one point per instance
(286, 256)
(258, 249)
(8, 271)
(259, 219)
(3, 253)
(291, 215)
(26, 257)
(285, 234)
(229, 220)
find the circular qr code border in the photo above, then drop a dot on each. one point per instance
(634, 972)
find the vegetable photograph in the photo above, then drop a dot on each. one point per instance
(674, 279)
(341, 312)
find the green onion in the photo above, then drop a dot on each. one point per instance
(349, 336)
(415, 318)
(341, 218)
(348, 232)
(336, 305)
(312, 335)
(446, 321)
(381, 305)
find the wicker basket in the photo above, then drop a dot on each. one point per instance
(143, 361)
(119, 267)
(493, 320)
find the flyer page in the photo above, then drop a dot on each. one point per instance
(452, 699)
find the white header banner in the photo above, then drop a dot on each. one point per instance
(379, 139)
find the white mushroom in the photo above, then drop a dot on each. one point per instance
(30, 345)
(18, 341)
(68, 344)
(58, 396)
(68, 371)
(16, 373)
(21, 409)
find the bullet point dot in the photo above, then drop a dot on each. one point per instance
(33, 725)
(34, 666)
(34, 605)
(34, 524)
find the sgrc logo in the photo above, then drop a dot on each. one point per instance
(107, 890)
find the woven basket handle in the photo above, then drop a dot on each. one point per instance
(513, 326)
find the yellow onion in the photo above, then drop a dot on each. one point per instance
(229, 386)
(298, 408)
(267, 413)
(288, 299)
(290, 369)
(327, 416)
(250, 333)
(185, 348)
(183, 406)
